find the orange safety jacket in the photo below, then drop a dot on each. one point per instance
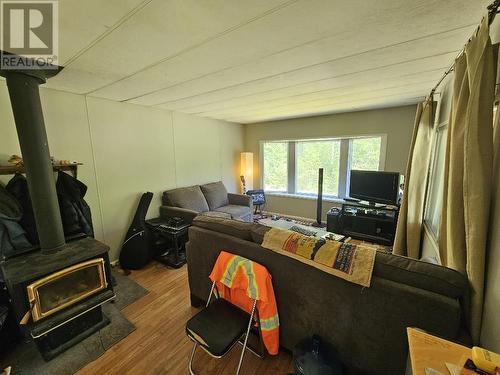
(240, 281)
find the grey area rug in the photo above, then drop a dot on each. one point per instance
(26, 360)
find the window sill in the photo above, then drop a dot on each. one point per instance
(303, 196)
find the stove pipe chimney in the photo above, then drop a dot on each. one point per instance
(28, 115)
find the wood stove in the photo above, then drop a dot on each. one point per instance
(56, 291)
(62, 292)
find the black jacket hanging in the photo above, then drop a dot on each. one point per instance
(18, 187)
(75, 212)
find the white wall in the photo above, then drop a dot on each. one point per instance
(396, 123)
(128, 149)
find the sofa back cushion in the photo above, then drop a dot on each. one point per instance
(188, 197)
(235, 228)
(422, 275)
(216, 194)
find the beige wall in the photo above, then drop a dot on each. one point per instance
(396, 123)
(128, 149)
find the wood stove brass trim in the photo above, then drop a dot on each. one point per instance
(34, 298)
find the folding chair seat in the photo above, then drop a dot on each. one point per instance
(218, 327)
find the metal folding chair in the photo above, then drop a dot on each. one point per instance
(219, 326)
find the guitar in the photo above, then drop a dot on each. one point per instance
(136, 250)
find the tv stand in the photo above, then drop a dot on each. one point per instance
(373, 223)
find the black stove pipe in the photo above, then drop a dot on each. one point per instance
(26, 106)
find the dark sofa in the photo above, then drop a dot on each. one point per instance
(366, 326)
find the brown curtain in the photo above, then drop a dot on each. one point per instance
(409, 229)
(468, 169)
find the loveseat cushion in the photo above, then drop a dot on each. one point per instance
(236, 228)
(187, 197)
(235, 211)
(216, 194)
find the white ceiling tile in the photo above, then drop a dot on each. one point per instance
(357, 91)
(397, 61)
(343, 42)
(159, 30)
(261, 59)
(81, 23)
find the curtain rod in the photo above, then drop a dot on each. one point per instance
(492, 12)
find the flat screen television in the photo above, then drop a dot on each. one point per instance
(374, 187)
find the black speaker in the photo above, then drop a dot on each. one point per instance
(319, 204)
(334, 220)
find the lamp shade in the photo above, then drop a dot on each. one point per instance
(247, 169)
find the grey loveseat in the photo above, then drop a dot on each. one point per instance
(366, 326)
(210, 199)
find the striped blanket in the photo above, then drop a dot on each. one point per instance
(350, 262)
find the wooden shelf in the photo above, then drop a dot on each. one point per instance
(12, 169)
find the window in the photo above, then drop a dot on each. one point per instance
(275, 164)
(434, 197)
(365, 153)
(309, 157)
(292, 166)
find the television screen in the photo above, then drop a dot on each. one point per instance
(376, 187)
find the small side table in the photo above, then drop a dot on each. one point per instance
(174, 237)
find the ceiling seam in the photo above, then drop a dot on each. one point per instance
(196, 45)
(311, 65)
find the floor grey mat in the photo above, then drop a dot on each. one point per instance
(26, 360)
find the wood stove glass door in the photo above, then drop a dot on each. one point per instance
(66, 287)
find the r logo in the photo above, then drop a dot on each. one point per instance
(29, 29)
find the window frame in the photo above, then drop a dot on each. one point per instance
(344, 163)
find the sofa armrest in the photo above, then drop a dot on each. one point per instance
(184, 213)
(240, 199)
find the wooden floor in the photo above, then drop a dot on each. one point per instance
(159, 344)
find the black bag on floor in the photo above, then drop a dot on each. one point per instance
(312, 357)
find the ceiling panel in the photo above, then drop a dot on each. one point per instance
(283, 29)
(376, 101)
(384, 76)
(159, 30)
(348, 97)
(82, 23)
(372, 62)
(308, 55)
(261, 59)
(405, 83)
